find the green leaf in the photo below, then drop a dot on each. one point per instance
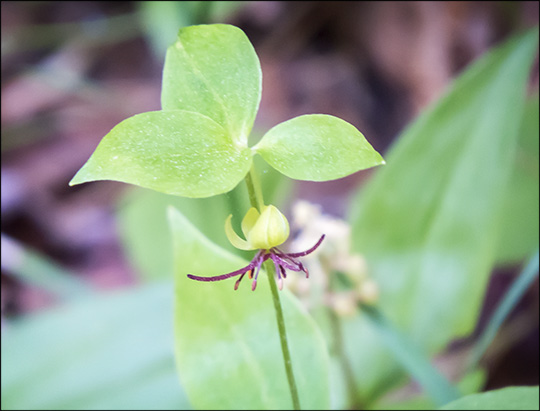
(175, 152)
(145, 233)
(160, 21)
(214, 70)
(108, 352)
(317, 147)
(520, 216)
(427, 222)
(470, 383)
(227, 345)
(509, 398)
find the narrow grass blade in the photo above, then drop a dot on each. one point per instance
(34, 269)
(412, 359)
(514, 294)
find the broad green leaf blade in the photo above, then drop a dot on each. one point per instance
(214, 70)
(227, 345)
(108, 352)
(175, 152)
(510, 398)
(520, 217)
(427, 222)
(317, 147)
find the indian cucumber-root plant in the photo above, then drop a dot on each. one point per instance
(426, 223)
(197, 146)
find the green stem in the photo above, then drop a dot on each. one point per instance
(254, 189)
(355, 402)
(256, 200)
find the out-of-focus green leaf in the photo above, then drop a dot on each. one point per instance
(175, 152)
(471, 383)
(317, 147)
(145, 232)
(412, 359)
(519, 231)
(161, 21)
(222, 10)
(214, 70)
(427, 221)
(110, 352)
(227, 344)
(510, 398)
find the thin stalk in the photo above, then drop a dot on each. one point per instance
(339, 348)
(514, 294)
(256, 200)
(254, 189)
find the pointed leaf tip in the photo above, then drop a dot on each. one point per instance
(317, 147)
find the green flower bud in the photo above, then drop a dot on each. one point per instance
(262, 231)
(270, 230)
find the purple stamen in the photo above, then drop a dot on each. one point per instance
(254, 283)
(303, 253)
(282, 262)
(242, 271)
(285, 257)
(260, 259)
(283, 272)
(223, 276)
(304, 269)
(277, 259)
(237, 283)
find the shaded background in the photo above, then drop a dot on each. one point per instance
(73, 70)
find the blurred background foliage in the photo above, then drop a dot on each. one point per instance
(86, 271)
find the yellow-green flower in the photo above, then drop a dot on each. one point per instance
(263, 231)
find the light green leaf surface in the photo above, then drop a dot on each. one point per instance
(317, 147)
(175, 152)
(510, 398)
(227, 345)
(427, 221)
(214, 70)
(109, 352)
(520, 226)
